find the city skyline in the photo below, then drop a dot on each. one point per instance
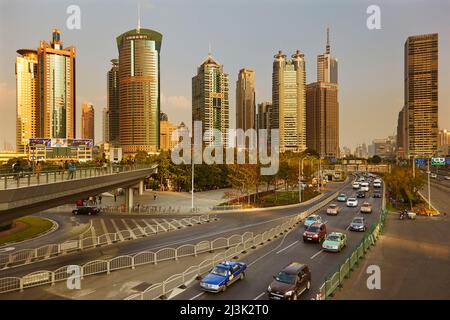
(175, 97)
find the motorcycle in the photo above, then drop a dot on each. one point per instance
(405, 214)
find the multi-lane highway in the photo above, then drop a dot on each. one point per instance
(269, 260)
(228, 224)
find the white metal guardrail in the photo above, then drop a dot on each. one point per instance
(234, 245)
(26, 256)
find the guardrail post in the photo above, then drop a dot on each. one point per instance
(108, 268)
(46, 177)
(18, 180)
(21, 284)
(176, 255)
(132, 263)
(195, 251)
(6, 182)
(38, 177)
(59, 248)
(29, 179)
(53, 278)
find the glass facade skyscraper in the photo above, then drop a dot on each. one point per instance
(113, 104)
(139, 90)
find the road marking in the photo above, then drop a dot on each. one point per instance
(138, 225)
(170, 224)
(159, 225)
(287, 247)
(117, 230)
(195, 297)
(129, 229)
(149, 225)
(274, 249)
(105, 230)
(316, 254)
(262, 294)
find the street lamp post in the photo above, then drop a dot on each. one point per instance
(429, 185)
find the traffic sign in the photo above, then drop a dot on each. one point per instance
(438, 161)
(421, 161)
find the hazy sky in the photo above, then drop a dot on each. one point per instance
(242, 33)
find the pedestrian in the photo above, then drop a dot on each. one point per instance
(100, 199)
(115, 196)
(16, 169)
(154, 196)
(71, 167)
(38, 167)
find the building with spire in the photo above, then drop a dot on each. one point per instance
(327, 66)
(113, 103)
(56, 72)
(139, 90)
(210, 103)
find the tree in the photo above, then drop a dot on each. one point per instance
(402, 184)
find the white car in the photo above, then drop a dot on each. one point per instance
(355, 185)
(447, 178)
(433, 175)
(352, 202)
(377, 184)
(365, 186)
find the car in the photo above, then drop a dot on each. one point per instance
(360, 194)
(223, 275)
(335, 241)
(290, 282)
(342, 198)
(366, 208)
(376, 194)
(447, 177)
(377, 184)
(361, 179)
(352, 202)
(88, 207)
(433, 175)
(315, 232)
(312, 219)
(358, 224)
(364, 186)
(355, 185)
(333, 209)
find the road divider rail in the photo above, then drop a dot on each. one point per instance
(26, 256)
(233, 245)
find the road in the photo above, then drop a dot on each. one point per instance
(269, 260)
(229, 223)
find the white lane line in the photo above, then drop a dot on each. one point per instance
(117, 230)
(274, 249)
(195, 297)
(105, 231)
(129, 229)
(150, 226)
(287, 247)
(316, 254)
(262, 294)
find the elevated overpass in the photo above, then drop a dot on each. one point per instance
(34, 192)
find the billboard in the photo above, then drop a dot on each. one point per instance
(59, 143)
(89, 143)
(33, 142)
(437, 161)
(421, 161)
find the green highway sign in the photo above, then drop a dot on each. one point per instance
(438, 161)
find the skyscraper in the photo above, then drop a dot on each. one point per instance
(27, 98)
(289, 101)
(327, 66)
(56, 72)
(87, 121)
(322, 118)
(113, 103)
(245, 100)
(139, 90)
(167, 129)
(401, 134)
(210, 102)
(264, 110)
(421, 95)
(106, 125)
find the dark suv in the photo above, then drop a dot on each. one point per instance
(315, 232)
(88, 207)
(360, 194)
(290, 282)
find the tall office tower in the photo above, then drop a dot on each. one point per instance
(106, 125)
(322, 118)
(87, 121)
(289, 101)
(245, 100)
(327, 66)
(401, 134)
(167, 129)
(56, 72)
(210, 102)
(264, 110)
(113, 102)
(27, 95)
(444, 137)
(139, 90)
(421, 95)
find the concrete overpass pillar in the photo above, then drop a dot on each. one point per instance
(129, 199)
(141, 187)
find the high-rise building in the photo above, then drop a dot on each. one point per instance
(245, 100)
(27, 98)
(384, 148)
(106, 125)
(166, 131)
(264, 109)
(289, 101)
(139, 90)
(210, 103)
(322, 118)
(327, 66)
(56, 72)
(113, 103)
(444, 137)
(421, 95)
(87, 121)
(401, 134)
